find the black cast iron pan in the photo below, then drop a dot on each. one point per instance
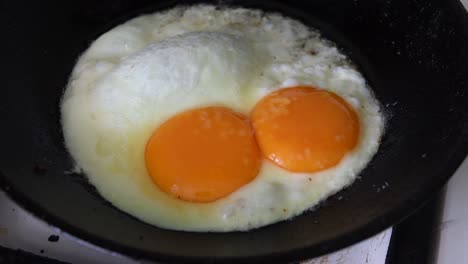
(413, 52)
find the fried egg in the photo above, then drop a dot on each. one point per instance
(201, 118)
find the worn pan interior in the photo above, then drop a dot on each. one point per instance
(414, 54)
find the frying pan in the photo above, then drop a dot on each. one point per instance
(413, 53)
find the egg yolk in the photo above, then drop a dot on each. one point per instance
(204, 154)
(303, 129)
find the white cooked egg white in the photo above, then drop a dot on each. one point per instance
(145, 71)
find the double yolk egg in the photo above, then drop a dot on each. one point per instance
(204, 118)
(204, 154)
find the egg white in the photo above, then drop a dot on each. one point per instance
(141, 73)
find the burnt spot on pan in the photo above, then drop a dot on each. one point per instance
(53, 238)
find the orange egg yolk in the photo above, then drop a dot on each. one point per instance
(204, 154)
(303, 129)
